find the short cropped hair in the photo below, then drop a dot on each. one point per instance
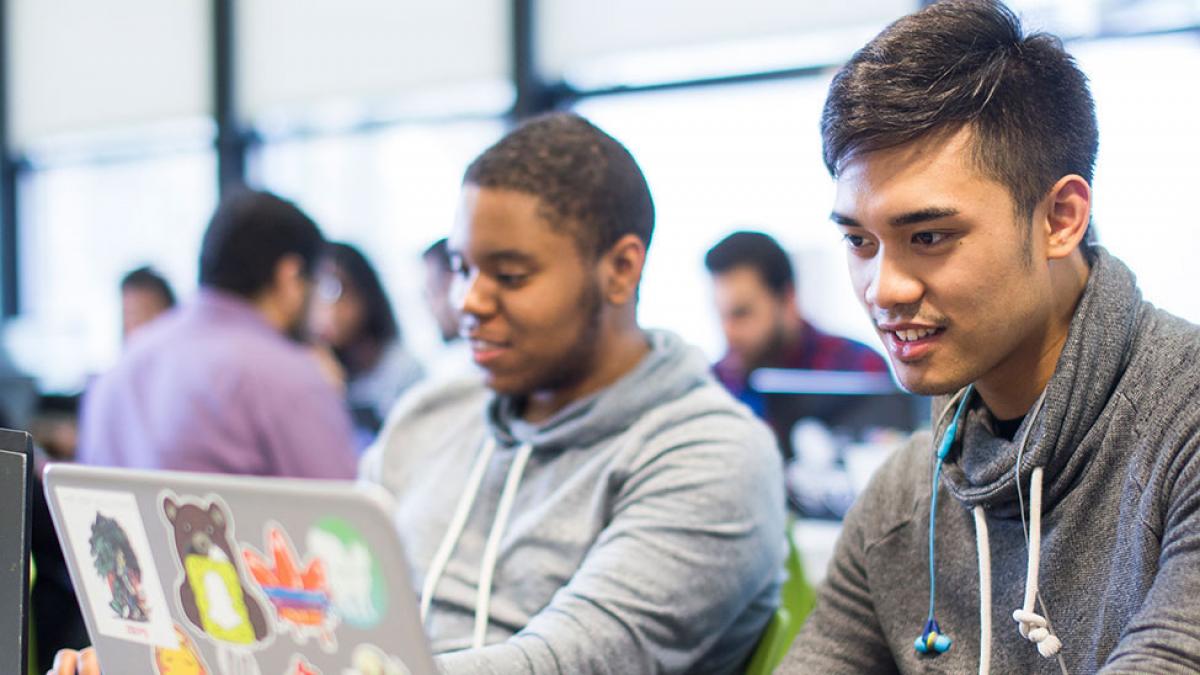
(588, 183)
(967, 62)
(755, 250)
(148, 279)
(249, 234)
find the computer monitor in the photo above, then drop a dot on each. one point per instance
(16, 472)
(848, 403)
(859, 418)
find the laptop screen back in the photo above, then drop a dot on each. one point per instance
(15, 472)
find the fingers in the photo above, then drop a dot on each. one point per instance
(64, 662)
(71, 662)
(89, 664)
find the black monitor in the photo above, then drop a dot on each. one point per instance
(16, 473)
(848, 403)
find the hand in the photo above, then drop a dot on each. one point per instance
(71, 662)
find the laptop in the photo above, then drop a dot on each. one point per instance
(181, 573)
(16, 473)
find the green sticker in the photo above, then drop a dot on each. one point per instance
(356, 583)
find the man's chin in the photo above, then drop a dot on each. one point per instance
(922, 382)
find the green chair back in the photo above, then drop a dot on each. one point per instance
(797, 599)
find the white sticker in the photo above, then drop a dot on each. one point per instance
(120, 582)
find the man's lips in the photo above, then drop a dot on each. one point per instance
(486, 351)
(910, 341)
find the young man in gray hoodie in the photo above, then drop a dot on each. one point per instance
(598, 504)
(1067, 533)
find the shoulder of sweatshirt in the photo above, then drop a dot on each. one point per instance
(1162, 380)
(705, 415)
(897, 492)
(427, 411)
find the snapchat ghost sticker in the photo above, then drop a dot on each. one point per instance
(212, 593)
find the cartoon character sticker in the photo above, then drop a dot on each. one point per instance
(124, 596)
(298, 590)
(356, 583)
(184, 660)
(370, 660)
(117, 564)
(213, 595)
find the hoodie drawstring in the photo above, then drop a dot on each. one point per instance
(492, 550)
(1033, 626)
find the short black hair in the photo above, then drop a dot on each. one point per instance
(968, 62)
(146, 278)
(586, 180)
(250, 232)
(439, 253)
(379, 324)
(758, 251)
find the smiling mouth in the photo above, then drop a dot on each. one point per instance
(914, 334)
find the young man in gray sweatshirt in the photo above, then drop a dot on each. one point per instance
(598, 504)
(1067, 533)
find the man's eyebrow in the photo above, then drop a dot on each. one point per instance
(844, 221)
(509, 256)
(923, 216)
(910, 218)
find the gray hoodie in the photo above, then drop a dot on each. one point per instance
(642, 534)
(1119, 574)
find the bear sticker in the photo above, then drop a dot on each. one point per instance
(213, 593)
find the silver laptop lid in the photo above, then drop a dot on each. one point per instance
(239, 575)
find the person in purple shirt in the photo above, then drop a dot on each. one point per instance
(755, 292)
(222, 384)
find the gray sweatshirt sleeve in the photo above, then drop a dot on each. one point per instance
(1164, 635)
(695, 539)
(843, 635)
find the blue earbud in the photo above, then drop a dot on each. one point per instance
(932, 641)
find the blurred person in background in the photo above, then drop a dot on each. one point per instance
(145, 294)
(754, 289)
(351, 315)
(455, 357)
(222, 385)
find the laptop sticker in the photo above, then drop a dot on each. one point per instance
(301, 666)
(297, 589)
(183, 660)
(356, 584)
(371, 660)
(124, 595)
(213, 594)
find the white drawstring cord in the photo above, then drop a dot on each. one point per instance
(985, 591)
(457, 523)
(1033, 626)
(492, 550)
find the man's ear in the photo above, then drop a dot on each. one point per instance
(1068, 212)
(621, 268)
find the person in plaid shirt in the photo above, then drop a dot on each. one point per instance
(755, 293)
